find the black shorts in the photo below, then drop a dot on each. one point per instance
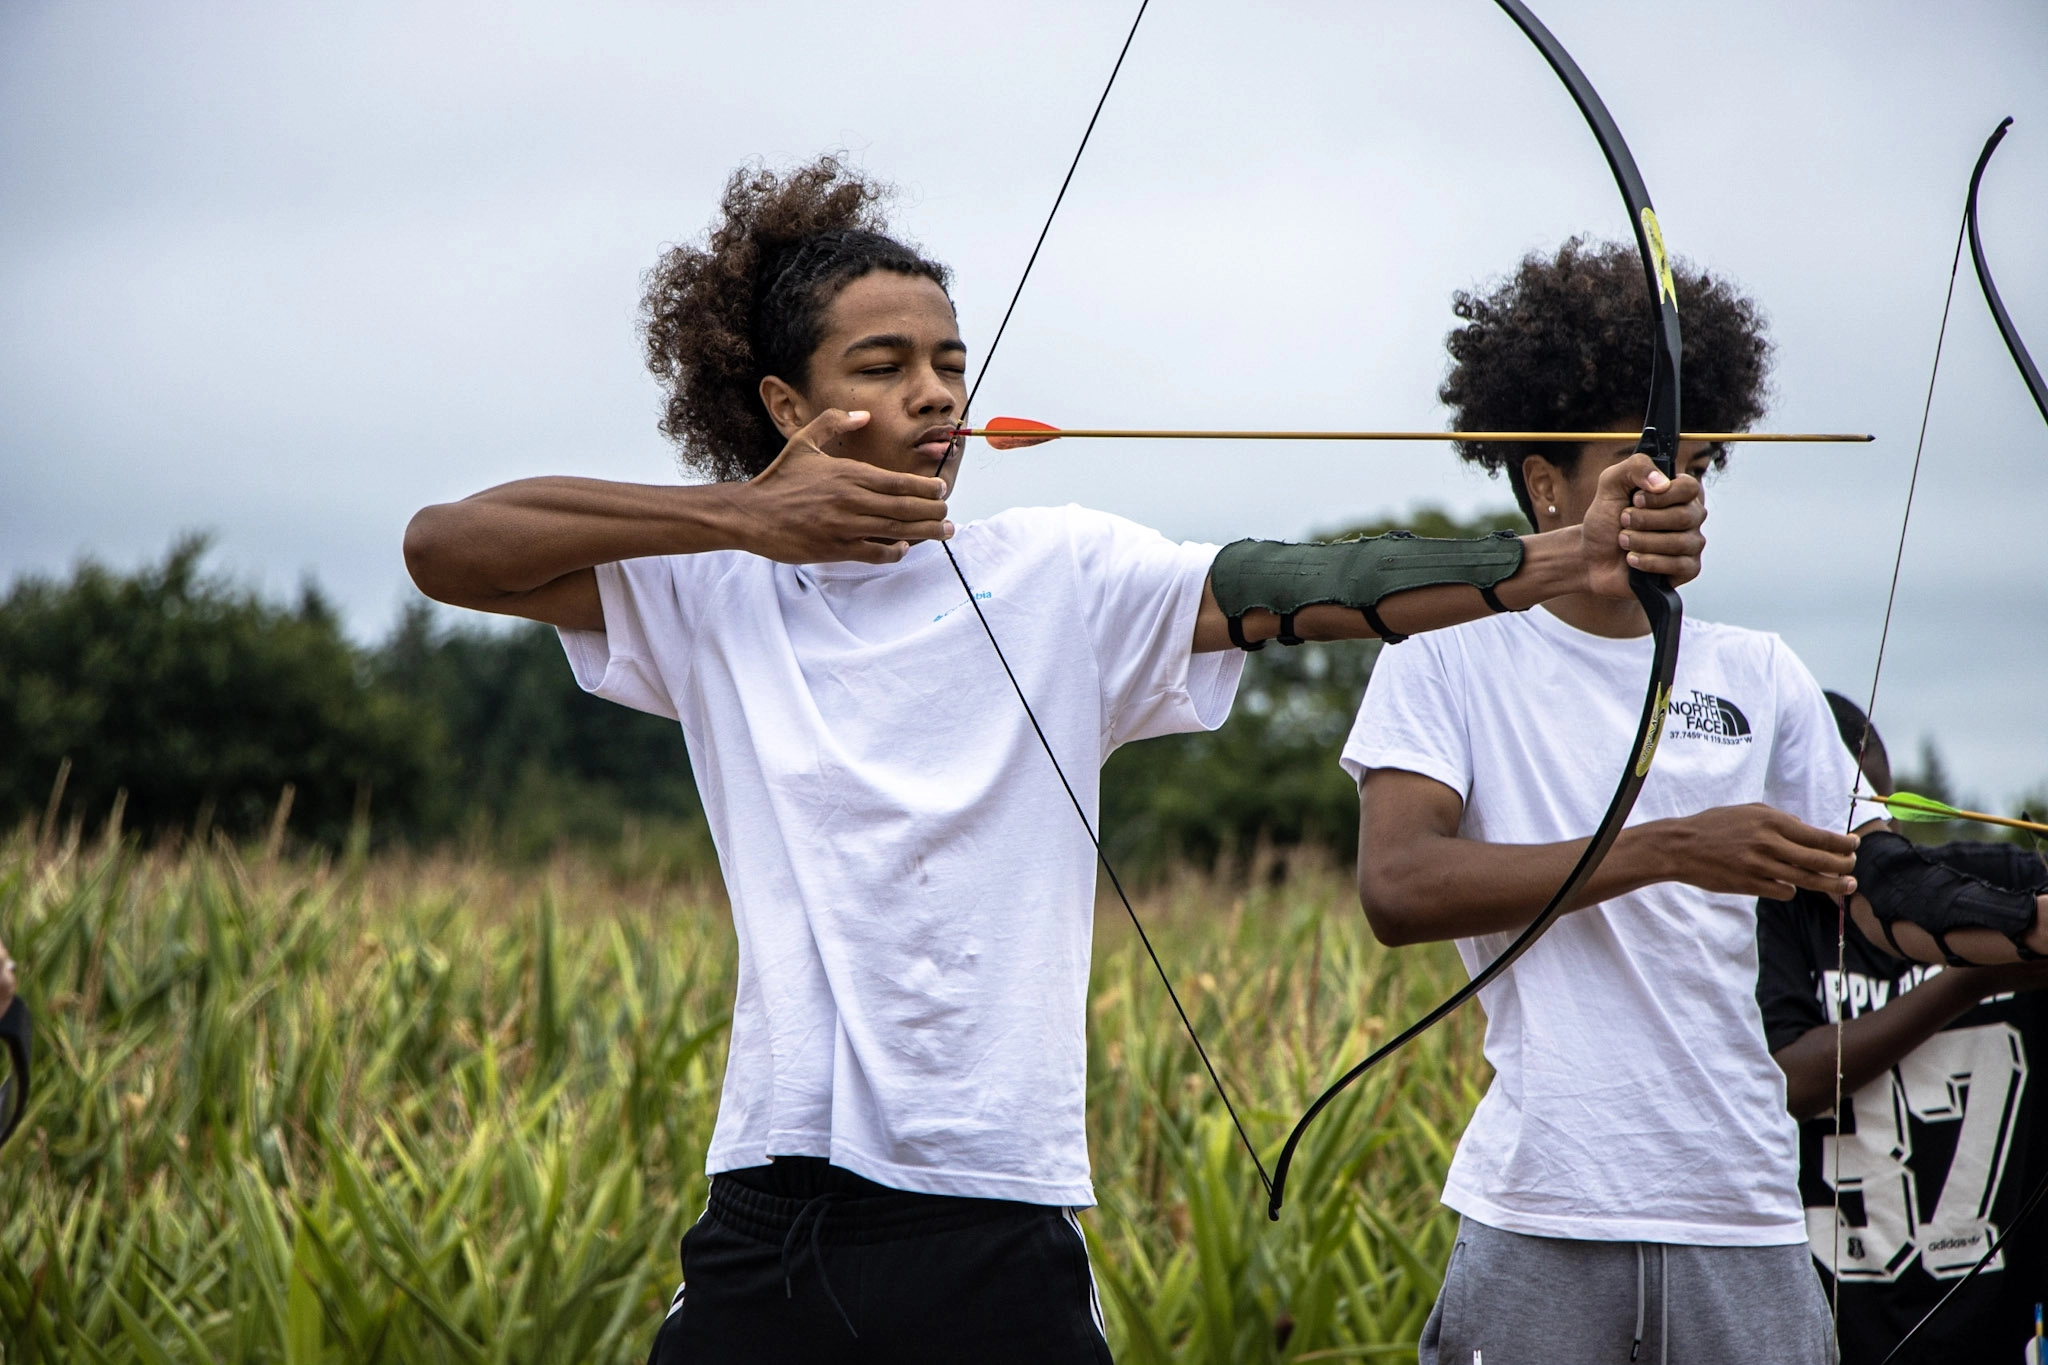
(804, 1262)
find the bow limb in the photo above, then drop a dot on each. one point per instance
(1659, 600)
(2028, 371)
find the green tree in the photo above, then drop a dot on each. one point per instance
(194, 695)
(531, 756)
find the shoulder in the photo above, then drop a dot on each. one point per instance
(1734, 640)
(1468, 650)
(1020, 526)
(694, 573)
(1762, 671)
(678, 585)
(1018, 536)
(1067, 523)
(1465, 652)
(1483, 638)
(1764, 649)
(1082, 535)
(1760, 653)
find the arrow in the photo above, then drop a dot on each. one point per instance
(1014, 433)
(1913, 808)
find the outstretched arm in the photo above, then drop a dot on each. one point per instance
(1640, 520)
(1419, 880)
(528, 548)
(1875, 1042)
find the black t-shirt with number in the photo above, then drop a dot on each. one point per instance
(1938, 1153)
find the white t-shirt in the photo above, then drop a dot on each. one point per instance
(1633, 1097)
(912, 890)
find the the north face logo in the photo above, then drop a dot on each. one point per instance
(1706, 716)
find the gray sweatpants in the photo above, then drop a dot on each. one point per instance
(1514, 1300)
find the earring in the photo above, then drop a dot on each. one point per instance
(1553, 509)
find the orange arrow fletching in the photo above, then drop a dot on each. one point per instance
(1041, 432)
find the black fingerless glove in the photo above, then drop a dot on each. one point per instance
(1940, 890)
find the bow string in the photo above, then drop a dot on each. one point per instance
(1016, 686)
(1660, 438)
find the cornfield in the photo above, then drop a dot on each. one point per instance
(301, 1109)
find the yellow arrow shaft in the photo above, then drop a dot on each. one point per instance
(1776, 437)
(1982, 818)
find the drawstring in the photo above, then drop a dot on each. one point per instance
(1663, 1304)
(815, 1211)
(1637, 1345)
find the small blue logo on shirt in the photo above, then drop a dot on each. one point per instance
(979, 597)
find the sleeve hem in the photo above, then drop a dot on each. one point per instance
(606, 662)
(589, 654)
(1359, 759)
(1212, 685)
(1212, 678)
(1202, 686)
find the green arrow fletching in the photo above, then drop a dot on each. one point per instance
(1913, 808)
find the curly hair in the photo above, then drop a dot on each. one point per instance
(751, 302)
(1564, 344)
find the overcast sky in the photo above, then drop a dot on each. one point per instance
(288, 272)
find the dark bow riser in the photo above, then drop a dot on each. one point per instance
(1660, 601)
(1660, 440)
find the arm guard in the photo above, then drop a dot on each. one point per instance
(1283, 578)
(1938, 889)
(2007, 865)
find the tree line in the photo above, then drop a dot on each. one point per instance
(173, 699)
(182, 700)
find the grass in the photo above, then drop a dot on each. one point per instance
(402, 1109)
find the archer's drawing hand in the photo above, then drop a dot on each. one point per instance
(1754, 850)
(810, 506)
(1642, 520)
